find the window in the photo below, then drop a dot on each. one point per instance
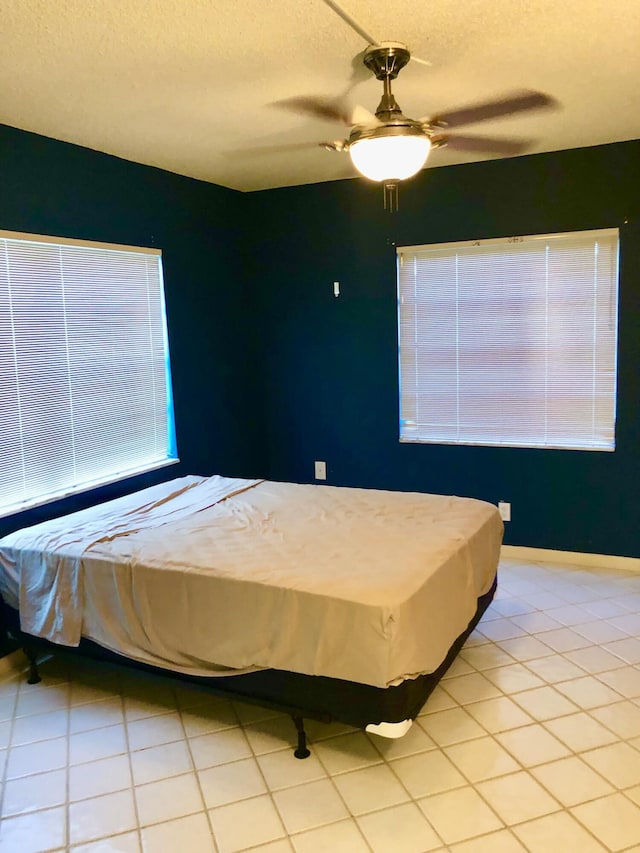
(85, 390)
(510, 341)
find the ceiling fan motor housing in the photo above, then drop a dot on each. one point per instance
(387, 59)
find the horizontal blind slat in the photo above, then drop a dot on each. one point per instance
(84, 382)
(510, 341)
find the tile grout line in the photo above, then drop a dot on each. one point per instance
(123, 708)
(528, 770)
(617, 789)
(255, 757)
(20, 686)
(354, 817)
(474, 670)
(329, 778)
(474, 785)
(67, 805)
(12, 722)
(196, 773)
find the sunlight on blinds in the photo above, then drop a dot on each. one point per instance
(510, 342)
(85, 393)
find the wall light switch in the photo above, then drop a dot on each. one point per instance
(336, 288)
(321, 470)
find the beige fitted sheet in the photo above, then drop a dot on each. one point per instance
(365, 585)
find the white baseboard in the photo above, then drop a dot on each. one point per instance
(574, 558)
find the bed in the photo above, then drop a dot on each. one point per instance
(328, 602)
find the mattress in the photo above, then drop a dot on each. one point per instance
(206, 575)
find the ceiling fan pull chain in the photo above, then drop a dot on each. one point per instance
(391, 196)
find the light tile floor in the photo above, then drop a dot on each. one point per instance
(531, 743)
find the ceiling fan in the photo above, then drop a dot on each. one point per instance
(390, 147)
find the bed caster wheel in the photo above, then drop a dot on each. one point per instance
(301, 751)
(34, 675)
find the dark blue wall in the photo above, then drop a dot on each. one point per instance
(329, 370)
(272, 372)
(49, 187)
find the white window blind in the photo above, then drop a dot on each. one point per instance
(510, 341)
(85, 393)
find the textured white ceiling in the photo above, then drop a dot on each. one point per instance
(186, 85)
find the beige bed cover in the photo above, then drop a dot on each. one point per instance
(204, 574)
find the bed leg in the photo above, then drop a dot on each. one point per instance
(301, 751)
(34, 675)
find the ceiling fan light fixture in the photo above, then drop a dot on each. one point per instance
(390, 157)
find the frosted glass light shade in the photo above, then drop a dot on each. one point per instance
(390, 158)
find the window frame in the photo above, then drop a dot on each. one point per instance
(163, 413)
(611, 234)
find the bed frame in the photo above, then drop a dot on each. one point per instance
(301, 696)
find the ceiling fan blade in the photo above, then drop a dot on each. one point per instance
(332, 109)
(329, 109)
(486, 144)
(362, 117)
(421, 61)
(346, 17)
(359, 71)
(512, 103)
(285, 148)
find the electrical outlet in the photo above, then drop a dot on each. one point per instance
(320, 470)
(504, 510)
